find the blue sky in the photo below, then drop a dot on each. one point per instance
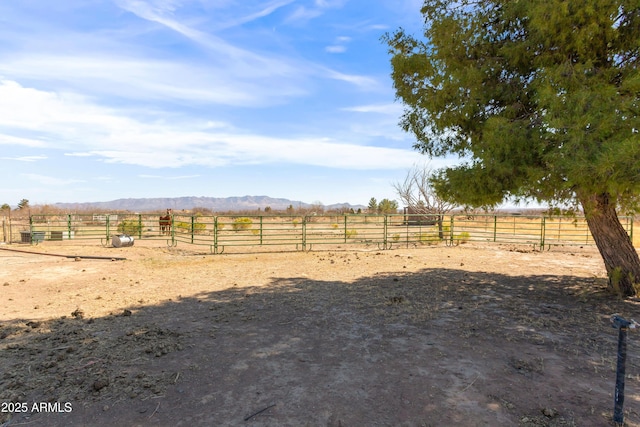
(109, 99)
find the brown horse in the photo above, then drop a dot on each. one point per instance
(165, 222)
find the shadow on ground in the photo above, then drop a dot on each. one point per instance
(437, 347)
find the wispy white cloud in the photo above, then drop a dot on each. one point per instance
(168, 178)
(77, 154)
(28, 159)
(264, 11)
(363, 82)
(183, 177)
(49, 180)
(80, 128)
(231, 75)
(252, 62)
(379, 121)
(388, 109)
(6, 139)
(326, 4)
(147, 10)
(339, 46)
(215, 150)
(336, 49)
(140, 80)
(163, 11)
(377, 27)
(302, 15)
(186, 86)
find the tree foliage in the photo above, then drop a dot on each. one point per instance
(543, 96)
(540, 97)
(23, 204)
(387, 206)
(373, 205)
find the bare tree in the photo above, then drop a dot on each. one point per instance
(420, 198)
(417, 191)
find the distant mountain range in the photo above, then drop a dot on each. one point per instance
(216, 204)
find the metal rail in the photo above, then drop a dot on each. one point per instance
(303, 232)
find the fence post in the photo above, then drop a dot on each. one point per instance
(542, 233)
(385, 230)
(172, 228)
(495, 227)
(304, 233)
(192, 227)
(139, 226)
(261, 229)
(345, 228)
(406, 222)
(215, 234)
(451, 224)
(69, 226)
(622, 325)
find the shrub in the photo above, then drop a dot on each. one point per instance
(334, 226)
(130, 226)
(428, 238)
(395, 237)
(463, 237)
(185, 227)
(242, 223)
(351, 233)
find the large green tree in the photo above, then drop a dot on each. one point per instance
(541, 100)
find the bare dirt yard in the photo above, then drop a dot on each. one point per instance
(433, 336)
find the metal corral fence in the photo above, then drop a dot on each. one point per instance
(303, 232)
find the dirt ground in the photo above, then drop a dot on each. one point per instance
(433, 336)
